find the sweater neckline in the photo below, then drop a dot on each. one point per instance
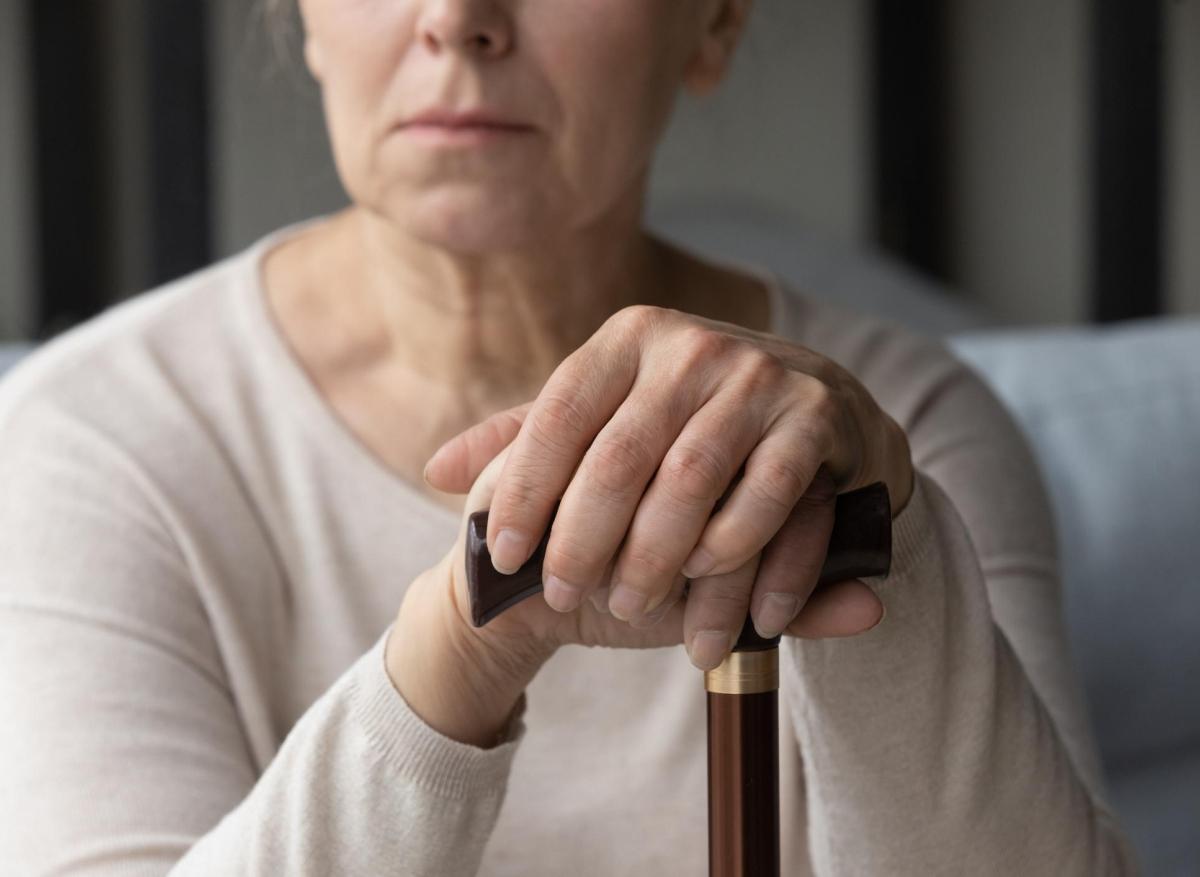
(320, 415)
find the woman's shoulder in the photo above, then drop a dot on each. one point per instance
(104, 360)
(190, 337)
(136, 412)
(137, 390)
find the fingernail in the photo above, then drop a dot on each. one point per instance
(512, 550)
(709, 648)
(429, 463)
(699, 562)
(776, 613)
(626, 603)
(562, 596)
(599, 598)
(882, 615)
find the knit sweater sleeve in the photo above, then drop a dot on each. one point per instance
(124, 752)
(952, 738)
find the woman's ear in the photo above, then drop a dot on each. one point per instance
(312, 57)
(721, 29)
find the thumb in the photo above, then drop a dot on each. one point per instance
(456, 464)
(479, 497)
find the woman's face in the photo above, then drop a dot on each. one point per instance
(583, 89)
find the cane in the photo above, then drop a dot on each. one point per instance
(743, 693)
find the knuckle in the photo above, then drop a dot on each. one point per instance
(699, 346)
(761, 368)
(778, 483)
(562, 414)
(694, 474)
(811, 435)
(643, 568)
(821, 402)
(726, 603)
(635, 318)
(739, 540)
(572, 559)
(517, 500)
(620, 462)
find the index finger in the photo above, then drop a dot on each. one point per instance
(581, 396)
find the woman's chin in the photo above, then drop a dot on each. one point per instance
(477, 225)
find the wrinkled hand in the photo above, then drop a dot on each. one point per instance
(532, 629)
(658, 420)
(464, 681)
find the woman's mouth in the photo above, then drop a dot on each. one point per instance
(445, 127)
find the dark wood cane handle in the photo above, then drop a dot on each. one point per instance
(860, 545)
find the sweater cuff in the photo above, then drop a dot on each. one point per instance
(425, 756)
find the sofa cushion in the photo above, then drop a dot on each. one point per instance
(10, 353)
(1113, 415)
(1159, 803)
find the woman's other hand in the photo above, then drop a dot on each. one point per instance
(658, 420)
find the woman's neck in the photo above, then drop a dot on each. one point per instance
(488, 328)
(385, 329)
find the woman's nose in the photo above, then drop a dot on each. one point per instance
(478, 27)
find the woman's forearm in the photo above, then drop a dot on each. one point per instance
(927, 748)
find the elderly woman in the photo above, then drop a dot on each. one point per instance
(233, 626)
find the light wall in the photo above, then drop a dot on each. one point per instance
(789, 128)
(271, 161)
(1018, 217)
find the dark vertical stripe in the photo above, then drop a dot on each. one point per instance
(909, 106)
(70, 156)
(179, 132)
(1127, 121)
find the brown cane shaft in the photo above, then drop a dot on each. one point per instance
(743, 785)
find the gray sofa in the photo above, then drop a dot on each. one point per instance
(1114, 418)
(9, 354)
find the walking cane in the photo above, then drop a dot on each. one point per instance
(743, 693)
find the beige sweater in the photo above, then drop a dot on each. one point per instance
(198, 569)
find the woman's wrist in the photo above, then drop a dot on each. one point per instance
(460, 682)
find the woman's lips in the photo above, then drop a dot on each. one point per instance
(444, 126)
(463, 133)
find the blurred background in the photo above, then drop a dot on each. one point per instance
(1022, 177)
(1040, 160)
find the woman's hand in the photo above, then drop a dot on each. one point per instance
(464, 681)
(641, 432)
